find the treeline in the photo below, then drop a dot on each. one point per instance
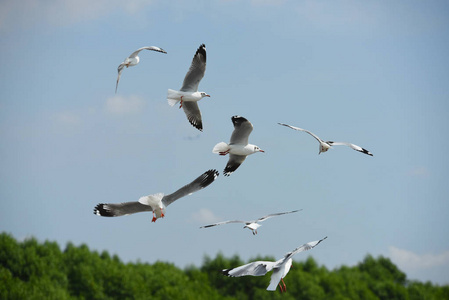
(33, 270)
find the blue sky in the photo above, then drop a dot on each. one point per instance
(372, 73)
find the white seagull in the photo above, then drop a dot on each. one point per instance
(252, 225)
(280, 267)
(326, 145)
(156, 202)
(188, 95)
(133, 60)
(238, 148)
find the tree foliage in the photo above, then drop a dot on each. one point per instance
(33, 270)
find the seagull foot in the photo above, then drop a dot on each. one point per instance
(154, 219)
(181, 103)
(223, 152)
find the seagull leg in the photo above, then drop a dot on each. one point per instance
(154, 218)
(181, 102)
(224, 152)
(285, 287)
(280, 287)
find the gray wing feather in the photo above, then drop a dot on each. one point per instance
(154, 48)
(302, 248)
(352, 146)
(224, 222)
(120, 209)
(233, 163)
(242, 130)
(275, 215)
(257, 268)
(193, 114)
(119, 69)
(199, 183)
(300, 129)
(196, 71)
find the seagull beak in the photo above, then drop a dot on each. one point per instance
(260, 150)
(207, 95)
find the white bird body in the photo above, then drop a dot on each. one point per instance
(174, 97)
(253, 226)
(280, 267)
(155, 201)
(131, 61)
(223, 148)
(280, 270)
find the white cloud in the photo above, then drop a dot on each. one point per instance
(409, 261)
(61, 12)
(119, 105)
(205, 216)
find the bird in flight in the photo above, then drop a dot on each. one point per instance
(280, 267)
(156, 203)
(133, 60)
(238, 147)
(251, 225)
(326, 145)
(189, 95)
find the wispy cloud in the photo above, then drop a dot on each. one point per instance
(419, 172)
(204, 215)
(67, 118)
(121, 106)
(61, 12)
(409, 261)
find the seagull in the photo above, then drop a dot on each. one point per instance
(133, 60)
(326, 145)
(252, 225)
(280, 267)
(188, 95)
(156, 202)
(238, 148)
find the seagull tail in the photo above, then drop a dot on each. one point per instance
(220, 147)
(172, 97)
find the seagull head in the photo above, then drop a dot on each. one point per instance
(257, 149)
(203, 94)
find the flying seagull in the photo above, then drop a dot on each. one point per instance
(326, 145)
(188, 95)
(280, 267)
(238, 148)
(252, 225)
(156, 202)
(133, 60)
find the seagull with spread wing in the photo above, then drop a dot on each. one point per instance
(251, 225)
(238, 148)
(326, 145)
(156, 203)
(280, 267)
(188, 95)
(133, 60)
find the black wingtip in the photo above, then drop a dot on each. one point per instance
(237, 120)
(226, 272)
(366, 152)
(201, 50)
(196, 123)
(102, 210)
(208, 177)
